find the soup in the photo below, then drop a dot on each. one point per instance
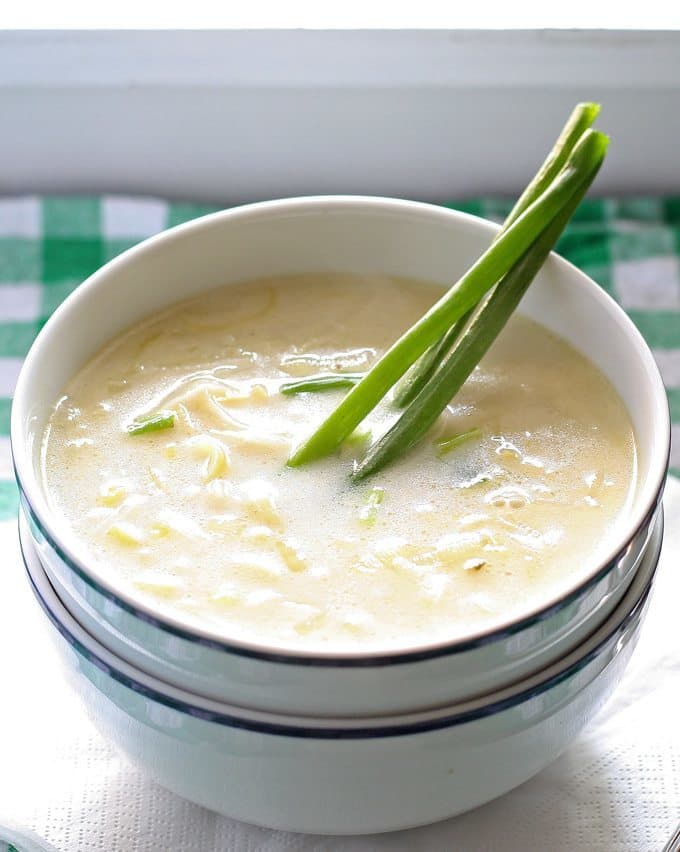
(510, 499)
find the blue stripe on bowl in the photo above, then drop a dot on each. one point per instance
(335, 733)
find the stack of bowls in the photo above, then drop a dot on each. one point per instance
(317, 741)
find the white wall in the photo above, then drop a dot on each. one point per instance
(235, 115)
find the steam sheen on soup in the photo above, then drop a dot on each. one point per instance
(203, 522)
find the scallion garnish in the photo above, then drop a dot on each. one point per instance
(446, 445)
(478, 336)
(509, 265)
(579, 121)
(152, 423)
(369, 513)
(322, 382)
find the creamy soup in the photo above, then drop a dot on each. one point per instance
(508, 501)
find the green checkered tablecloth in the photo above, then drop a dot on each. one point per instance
(631, 247)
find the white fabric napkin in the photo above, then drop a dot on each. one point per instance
(617, 789)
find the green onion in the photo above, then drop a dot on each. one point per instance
(425, 367)
(322, 382)
(152, 423)
(473, 344)
(579, 121)
(510, 246)
(446, 445)
(369, 513)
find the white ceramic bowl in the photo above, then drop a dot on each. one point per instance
(339, 775)
(19, 839)
(332, 234)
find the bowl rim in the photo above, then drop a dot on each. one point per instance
(46, 518)
(22, 839)
(611, 632)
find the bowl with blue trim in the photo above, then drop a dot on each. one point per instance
(365, 235)
(339, 775)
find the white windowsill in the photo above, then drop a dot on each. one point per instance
(330, 58)
(235, 115)
(341, 14)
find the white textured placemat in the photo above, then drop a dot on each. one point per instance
(617, 789)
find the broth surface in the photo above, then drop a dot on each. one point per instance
(204, 522)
